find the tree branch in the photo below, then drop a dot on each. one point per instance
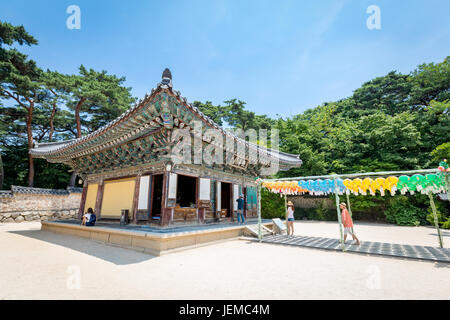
(15, 98)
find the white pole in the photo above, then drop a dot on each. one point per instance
(436, 223)
(338, 209)
(259, 212)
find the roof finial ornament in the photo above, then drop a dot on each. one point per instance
(167, 78)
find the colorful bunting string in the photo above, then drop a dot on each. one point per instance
(415, 183)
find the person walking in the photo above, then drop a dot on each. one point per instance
(348, 223)
(290, 218)
(240, 211)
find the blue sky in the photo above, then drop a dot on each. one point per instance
(281, 57)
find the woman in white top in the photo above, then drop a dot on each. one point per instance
(87, 216)
(290, 218)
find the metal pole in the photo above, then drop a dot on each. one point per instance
(259, 212)
(285, 209)
(447, 184)
(336, 189)
(436, 222)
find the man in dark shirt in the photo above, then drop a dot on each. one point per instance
(240, 211)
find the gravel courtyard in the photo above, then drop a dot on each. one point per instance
(42, 265)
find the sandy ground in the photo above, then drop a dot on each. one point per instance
(42, 265)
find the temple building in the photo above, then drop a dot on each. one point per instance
(129, 164)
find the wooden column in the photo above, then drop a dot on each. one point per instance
(232, 202)
(150, 198)
(201, 215)
(244, 192)
(137, 185)
(83, 199)
(198, 203)
(98, 200)
(165, 212)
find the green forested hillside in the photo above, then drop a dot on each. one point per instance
(394, 122)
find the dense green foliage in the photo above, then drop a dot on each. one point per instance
(404, 213)
(272, 205)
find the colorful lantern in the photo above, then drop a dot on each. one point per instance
(350, 186)
(366, 185)
(378, 184)
(402, 184)
(390, 183)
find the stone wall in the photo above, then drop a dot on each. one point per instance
(28, 204)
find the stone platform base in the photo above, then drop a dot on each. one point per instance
(155, 243)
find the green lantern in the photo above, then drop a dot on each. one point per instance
(402, 184)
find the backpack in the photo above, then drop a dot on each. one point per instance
(92, 220)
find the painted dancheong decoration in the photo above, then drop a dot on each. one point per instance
(126, 165)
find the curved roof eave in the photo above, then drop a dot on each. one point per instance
(52, 148)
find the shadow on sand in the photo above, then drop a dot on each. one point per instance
(107, 252)
(444, 234)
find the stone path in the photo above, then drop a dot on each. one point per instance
(377, 248)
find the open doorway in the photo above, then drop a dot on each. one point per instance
(187, 191)
(157, 188)
(225, 196)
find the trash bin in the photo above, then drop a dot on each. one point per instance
(124, 217)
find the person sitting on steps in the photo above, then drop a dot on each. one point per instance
(89, 218)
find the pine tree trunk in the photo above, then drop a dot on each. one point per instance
(52, 127)
(1, 172)
(30, 144)
(73, 179)
(77, 116)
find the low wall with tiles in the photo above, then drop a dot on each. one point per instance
(29, 204)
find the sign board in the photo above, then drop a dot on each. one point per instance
(172, 194)
(205, 189)
(143, 193)
(279, 225)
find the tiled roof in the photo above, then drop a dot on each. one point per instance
(6, 194)
(89, 144)
(28, 190)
